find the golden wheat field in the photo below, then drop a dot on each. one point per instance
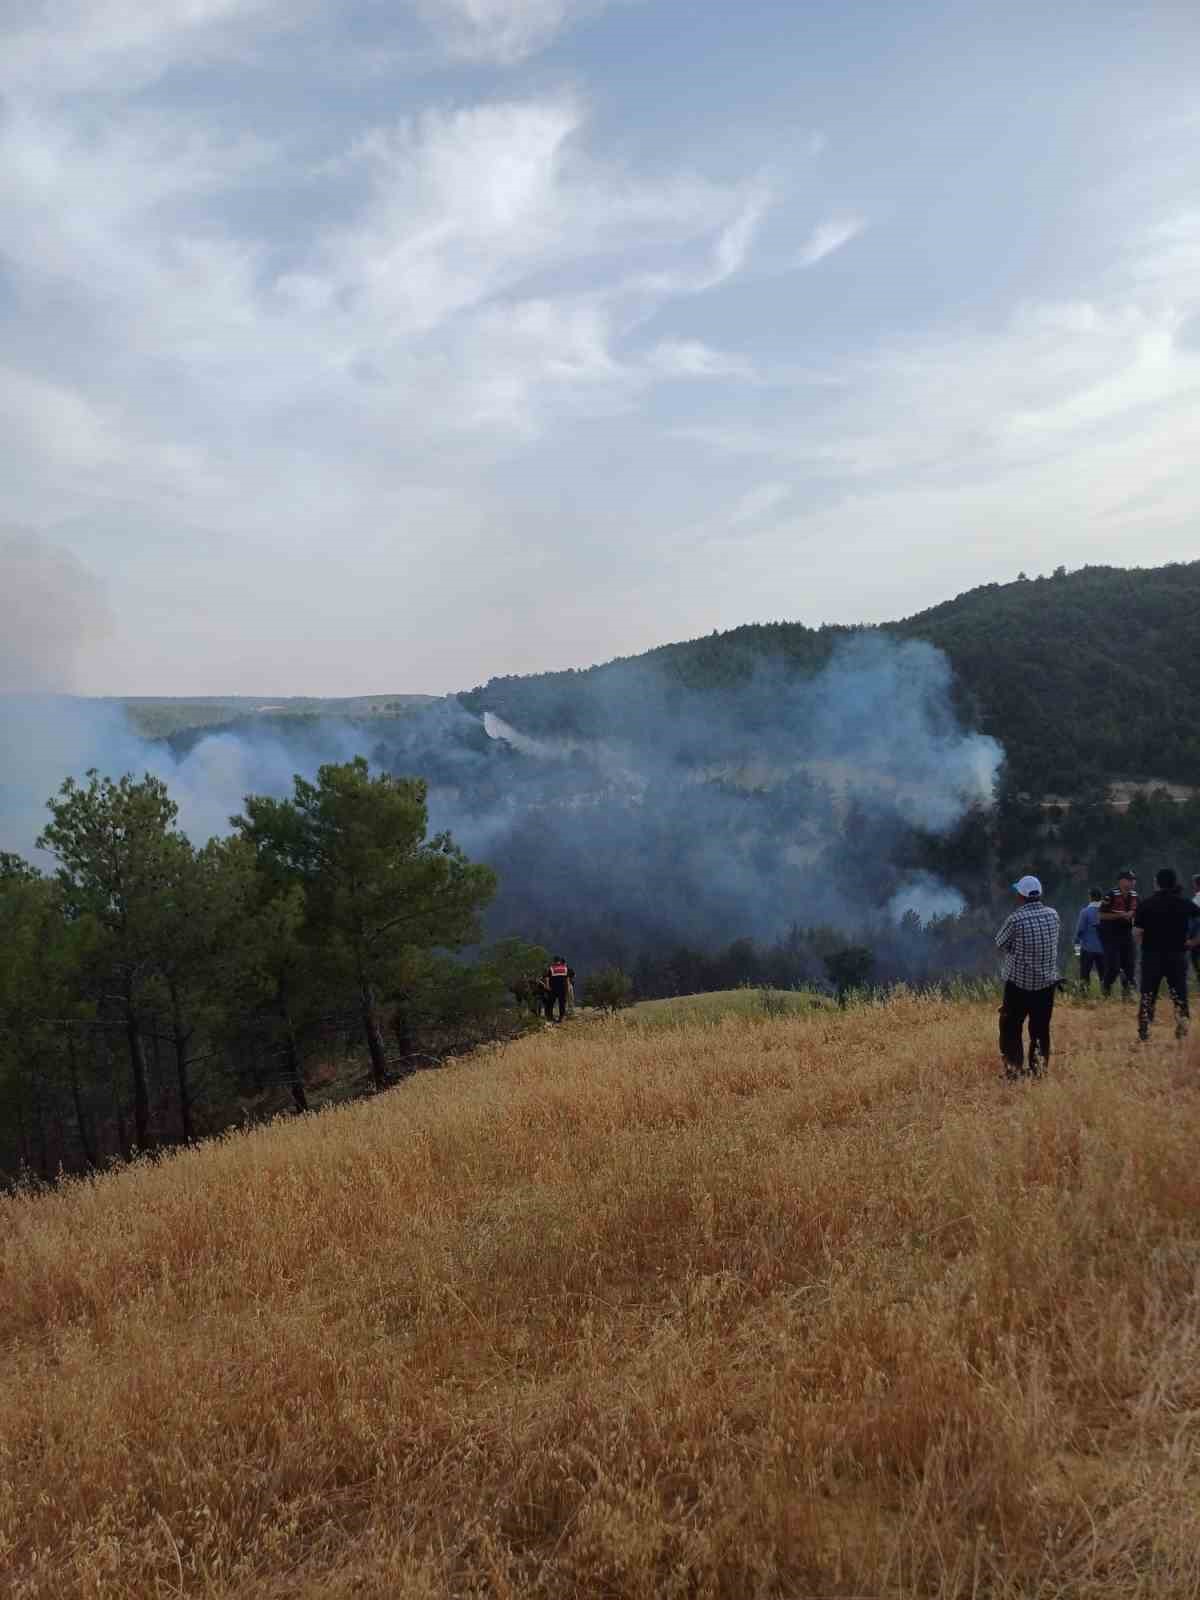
(760, 1308)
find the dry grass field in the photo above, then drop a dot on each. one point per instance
(760, 1308)
(720, 1003)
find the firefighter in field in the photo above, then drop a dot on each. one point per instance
(545, 996)
(1117, 912)
(561, 979)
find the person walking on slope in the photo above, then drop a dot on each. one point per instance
(561, 977)
(1029, 939)
(1166, 926)
(1117, 911)
(1088, 944)
(1196, 903)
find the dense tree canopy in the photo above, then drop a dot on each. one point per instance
(148, 983)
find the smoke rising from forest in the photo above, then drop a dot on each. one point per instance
(53, 610)
(623, 809)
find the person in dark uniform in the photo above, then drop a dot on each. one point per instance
(546, 997)
(1166, 926)
(560, 977)
(1117, 911)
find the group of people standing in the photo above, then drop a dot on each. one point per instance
(1111, 931)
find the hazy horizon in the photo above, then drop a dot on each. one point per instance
(401, 692)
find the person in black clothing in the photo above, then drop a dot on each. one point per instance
(1165, 926)
(560, 977)
(1196, 903)
(1117, 911)
(546, 996)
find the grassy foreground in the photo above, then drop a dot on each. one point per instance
(811, 1306)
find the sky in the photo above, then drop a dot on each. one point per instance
(356, 346)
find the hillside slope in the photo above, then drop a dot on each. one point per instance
(808, 1306)
(1082, 677)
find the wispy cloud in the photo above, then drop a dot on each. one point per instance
(759, 502)
(501, 31)
(375, 344)
(111, 46)
(1072, 420)
(366, 334)
(827, 237)
(691, 358)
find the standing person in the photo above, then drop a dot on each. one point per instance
(561, 977)
(1088, 941)
(546, 997)
(1117, 911)
(1165, 926)
(1196, 903)
(1029, 939)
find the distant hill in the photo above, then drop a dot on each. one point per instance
(159, 717)
(1083, 677)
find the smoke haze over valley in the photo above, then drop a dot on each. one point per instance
(670, 814)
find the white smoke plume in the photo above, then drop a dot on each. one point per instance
(51, 611)
(926, 896)
(623, 809)
(54, 611)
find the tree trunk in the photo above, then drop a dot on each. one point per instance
(141, 1089)
(62, 1143)
(370, 1016)
(40, 1114)
(292, 1070)
(23, 1126)
(180, 1037)
(402, 1027)
(157, 1077)
(295, 1078)
(85, 1142)
(123, 1144)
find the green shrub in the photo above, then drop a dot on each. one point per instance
(609, 988)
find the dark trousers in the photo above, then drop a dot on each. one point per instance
(1157, 965)
(1091, 961)
(548, 1004)
(1018, 1005)
(1120, 957)
(558, 992)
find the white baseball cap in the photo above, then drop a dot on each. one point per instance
(1028, 885)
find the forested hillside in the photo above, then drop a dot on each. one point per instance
(152, 991)
(1082, 677)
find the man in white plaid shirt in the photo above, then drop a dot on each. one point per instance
(1029, 939)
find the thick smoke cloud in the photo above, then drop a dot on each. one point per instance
(52, 610)
(623, 809)
(46, 738)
